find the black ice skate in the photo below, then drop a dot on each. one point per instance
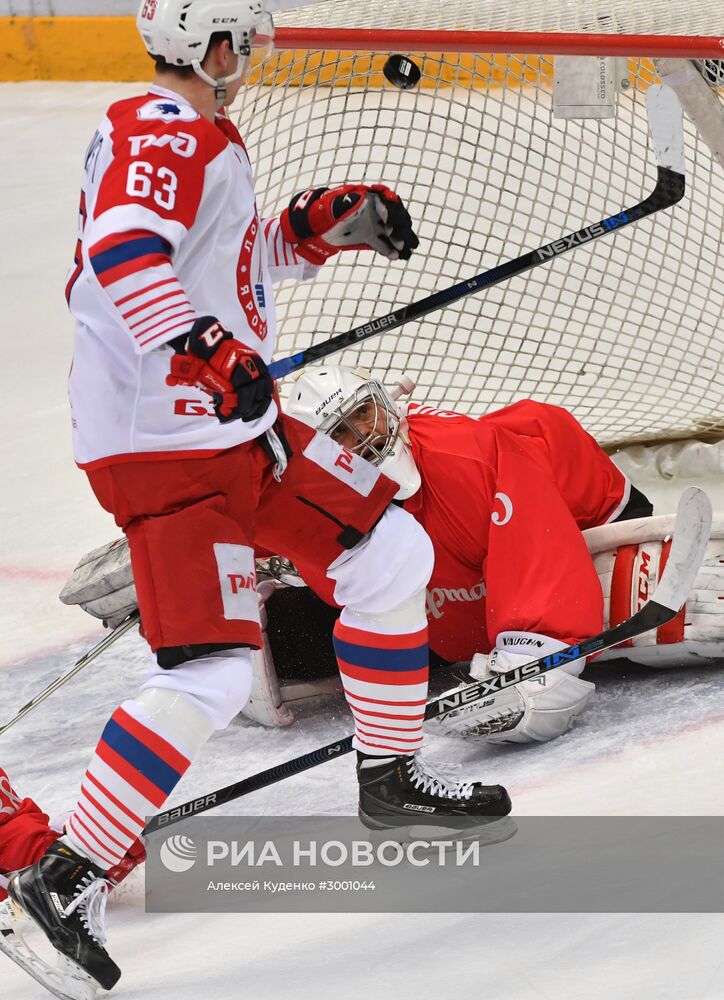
(397, 792)
(64, 895)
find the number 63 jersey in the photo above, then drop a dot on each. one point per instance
(169, 231)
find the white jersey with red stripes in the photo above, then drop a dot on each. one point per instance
(169, 231)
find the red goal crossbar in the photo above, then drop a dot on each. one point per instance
(533, 42)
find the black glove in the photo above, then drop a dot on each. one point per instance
(236, 377)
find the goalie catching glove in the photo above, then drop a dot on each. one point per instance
(322, 221)
(233, 374)
(533, 711)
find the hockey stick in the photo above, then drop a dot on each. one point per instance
(690, 536)
(666, 127)
(87, 658)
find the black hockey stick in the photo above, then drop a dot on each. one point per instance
(690, 536)
(665, 123)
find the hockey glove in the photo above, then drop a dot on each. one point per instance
(322, 221)
(233, 374)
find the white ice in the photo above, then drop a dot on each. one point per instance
(651, 744)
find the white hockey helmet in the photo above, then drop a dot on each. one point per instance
(180, 31)
(356, 409)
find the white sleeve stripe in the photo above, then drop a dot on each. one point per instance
(166, 316)
(188, 323)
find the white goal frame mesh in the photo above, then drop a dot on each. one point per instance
(626, 332)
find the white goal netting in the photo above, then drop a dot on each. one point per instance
(626, 332)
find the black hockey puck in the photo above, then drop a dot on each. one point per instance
(402, 72)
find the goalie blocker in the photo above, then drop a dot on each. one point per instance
(629, 557)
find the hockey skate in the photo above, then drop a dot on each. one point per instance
(64, 895)
(406, 792)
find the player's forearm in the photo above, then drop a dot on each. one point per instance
(136, 272)
(284, 261)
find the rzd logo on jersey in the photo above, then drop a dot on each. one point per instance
(237, 578)
(250, 284)
(182, 144)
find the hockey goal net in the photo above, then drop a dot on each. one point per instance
(626, 332)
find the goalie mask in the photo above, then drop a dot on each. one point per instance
(360, 414)
(180, 31)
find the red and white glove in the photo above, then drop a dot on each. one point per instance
(232, 373)
(322, 221)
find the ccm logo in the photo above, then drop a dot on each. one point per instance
(224, 20)
(239, 582)
(643, 590)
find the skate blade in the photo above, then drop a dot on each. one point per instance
(67, 981)
(493, 830)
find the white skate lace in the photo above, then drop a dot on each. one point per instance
(91, 901)
(438, 779)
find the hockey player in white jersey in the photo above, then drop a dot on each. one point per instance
(171, 289)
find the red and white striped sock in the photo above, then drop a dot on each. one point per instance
(133, 771)
(385, 682)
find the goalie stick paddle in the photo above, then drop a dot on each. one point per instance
(690, 536)
(100, 647)
(666, 127)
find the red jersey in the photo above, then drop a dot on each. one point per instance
(504, 499)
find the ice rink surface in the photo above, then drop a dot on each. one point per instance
(651, 744)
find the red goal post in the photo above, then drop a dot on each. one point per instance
(531, 42)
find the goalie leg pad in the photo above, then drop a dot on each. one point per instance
(265, 704)
(629, 559)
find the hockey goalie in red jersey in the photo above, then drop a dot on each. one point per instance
(505, 499)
